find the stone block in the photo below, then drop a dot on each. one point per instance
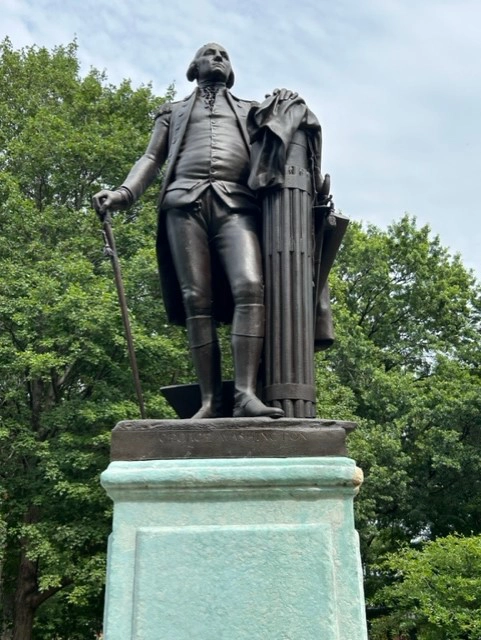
(234, 549)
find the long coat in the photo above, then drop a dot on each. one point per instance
(164, 147)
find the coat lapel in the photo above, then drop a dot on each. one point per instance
(178, 125)
(240, 110)
(180, 119)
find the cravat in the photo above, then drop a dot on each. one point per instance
(208, 93)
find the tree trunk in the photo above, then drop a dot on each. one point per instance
(23, 624)
(24, 605)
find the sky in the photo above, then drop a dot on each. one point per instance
(396, 85)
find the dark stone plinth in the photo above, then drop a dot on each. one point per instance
(229, 438)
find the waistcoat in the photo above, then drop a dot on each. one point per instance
(213, 153)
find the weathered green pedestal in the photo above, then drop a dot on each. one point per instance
(233, 548)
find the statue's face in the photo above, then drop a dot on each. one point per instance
(213, 64)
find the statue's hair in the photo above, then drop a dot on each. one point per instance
(193, 73)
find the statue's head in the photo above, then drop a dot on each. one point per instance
(211, 63)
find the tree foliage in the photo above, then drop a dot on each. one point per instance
(409, 351)
(436, 592)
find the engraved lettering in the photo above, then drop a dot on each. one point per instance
(267, 436)
(295, 437)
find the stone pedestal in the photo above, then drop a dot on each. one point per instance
(244, 548)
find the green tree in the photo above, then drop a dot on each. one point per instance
(64, 374)
(408, 352)
(436, 592)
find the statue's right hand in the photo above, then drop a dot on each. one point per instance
(105, 200)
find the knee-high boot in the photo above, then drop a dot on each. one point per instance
(247, 341)
(204, 348)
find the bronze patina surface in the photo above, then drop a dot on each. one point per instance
(246, 235)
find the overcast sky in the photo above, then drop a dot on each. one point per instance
(396, 85)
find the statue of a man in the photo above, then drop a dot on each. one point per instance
(207, 244)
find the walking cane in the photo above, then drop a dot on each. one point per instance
(110, 250)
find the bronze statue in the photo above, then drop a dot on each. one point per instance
(232, 167)
(208, 227)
